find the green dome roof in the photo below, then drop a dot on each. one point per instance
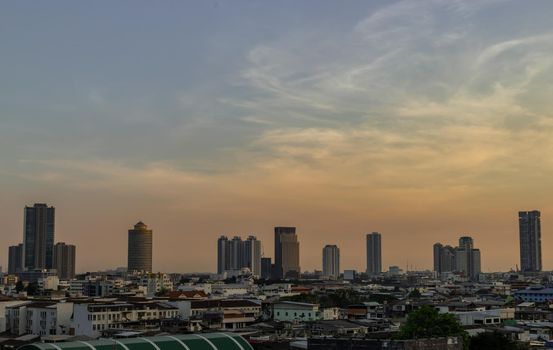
(207, 341)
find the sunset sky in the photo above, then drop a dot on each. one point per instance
(423, 120)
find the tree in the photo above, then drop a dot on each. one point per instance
(32, 288)
(427, 322)
(19, 286)
(415, 294)
(493, 341)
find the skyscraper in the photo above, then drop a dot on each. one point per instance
(223, 254)
(287, 253)
(252, 255)
(236, 253)
(331, 261)
(140, 248)
(374, 253)
(38, 240)
(529, 223)
(64, 260)
(15, 259)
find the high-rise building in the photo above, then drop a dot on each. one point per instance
(529, 223)
(223, 255)
(374, 253)
(287, 253)
(140, 248)
(266, 266)
(464, 258)
(38, 239)
(444, 258)
(64, 260)
(331, 261)
(252, 255)
(15, 259)
(236, 254)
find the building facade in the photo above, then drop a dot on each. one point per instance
(374, 253)
(140, 248)
(331, 261)
(287, 253)
(38, 239)
(530, 240)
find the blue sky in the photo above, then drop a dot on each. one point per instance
(421, 119)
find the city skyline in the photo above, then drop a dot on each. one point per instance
(420, 120)
(240, 256)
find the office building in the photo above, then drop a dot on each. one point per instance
(529, 223)
(374, 253)
(38, 239)
(140, 248)
(64, 260)
(331, 261)
(287, 253)
(15, 259)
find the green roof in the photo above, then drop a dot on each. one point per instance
(203, 341)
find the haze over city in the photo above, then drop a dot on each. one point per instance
(424, 121)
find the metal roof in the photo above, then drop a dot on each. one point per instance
(203, 341)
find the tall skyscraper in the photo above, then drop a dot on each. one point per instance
(38, 240)
(374, 253)
(140, 248)
(64, 260)
(15, 259)
(529, 223)
(331, 261)
(223, 254)
(287, 253)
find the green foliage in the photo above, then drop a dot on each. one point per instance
(427, 322)
(493, 341)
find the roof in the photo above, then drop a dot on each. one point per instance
(207, 341)
(222, 303)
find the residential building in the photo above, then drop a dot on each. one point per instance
(266, 268)
(374, 253)
(235, 255)
(290, 311)
(15, 259)
(530, 240)
(64, 260)
(331, 261)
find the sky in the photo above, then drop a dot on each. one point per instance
(422, 120)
